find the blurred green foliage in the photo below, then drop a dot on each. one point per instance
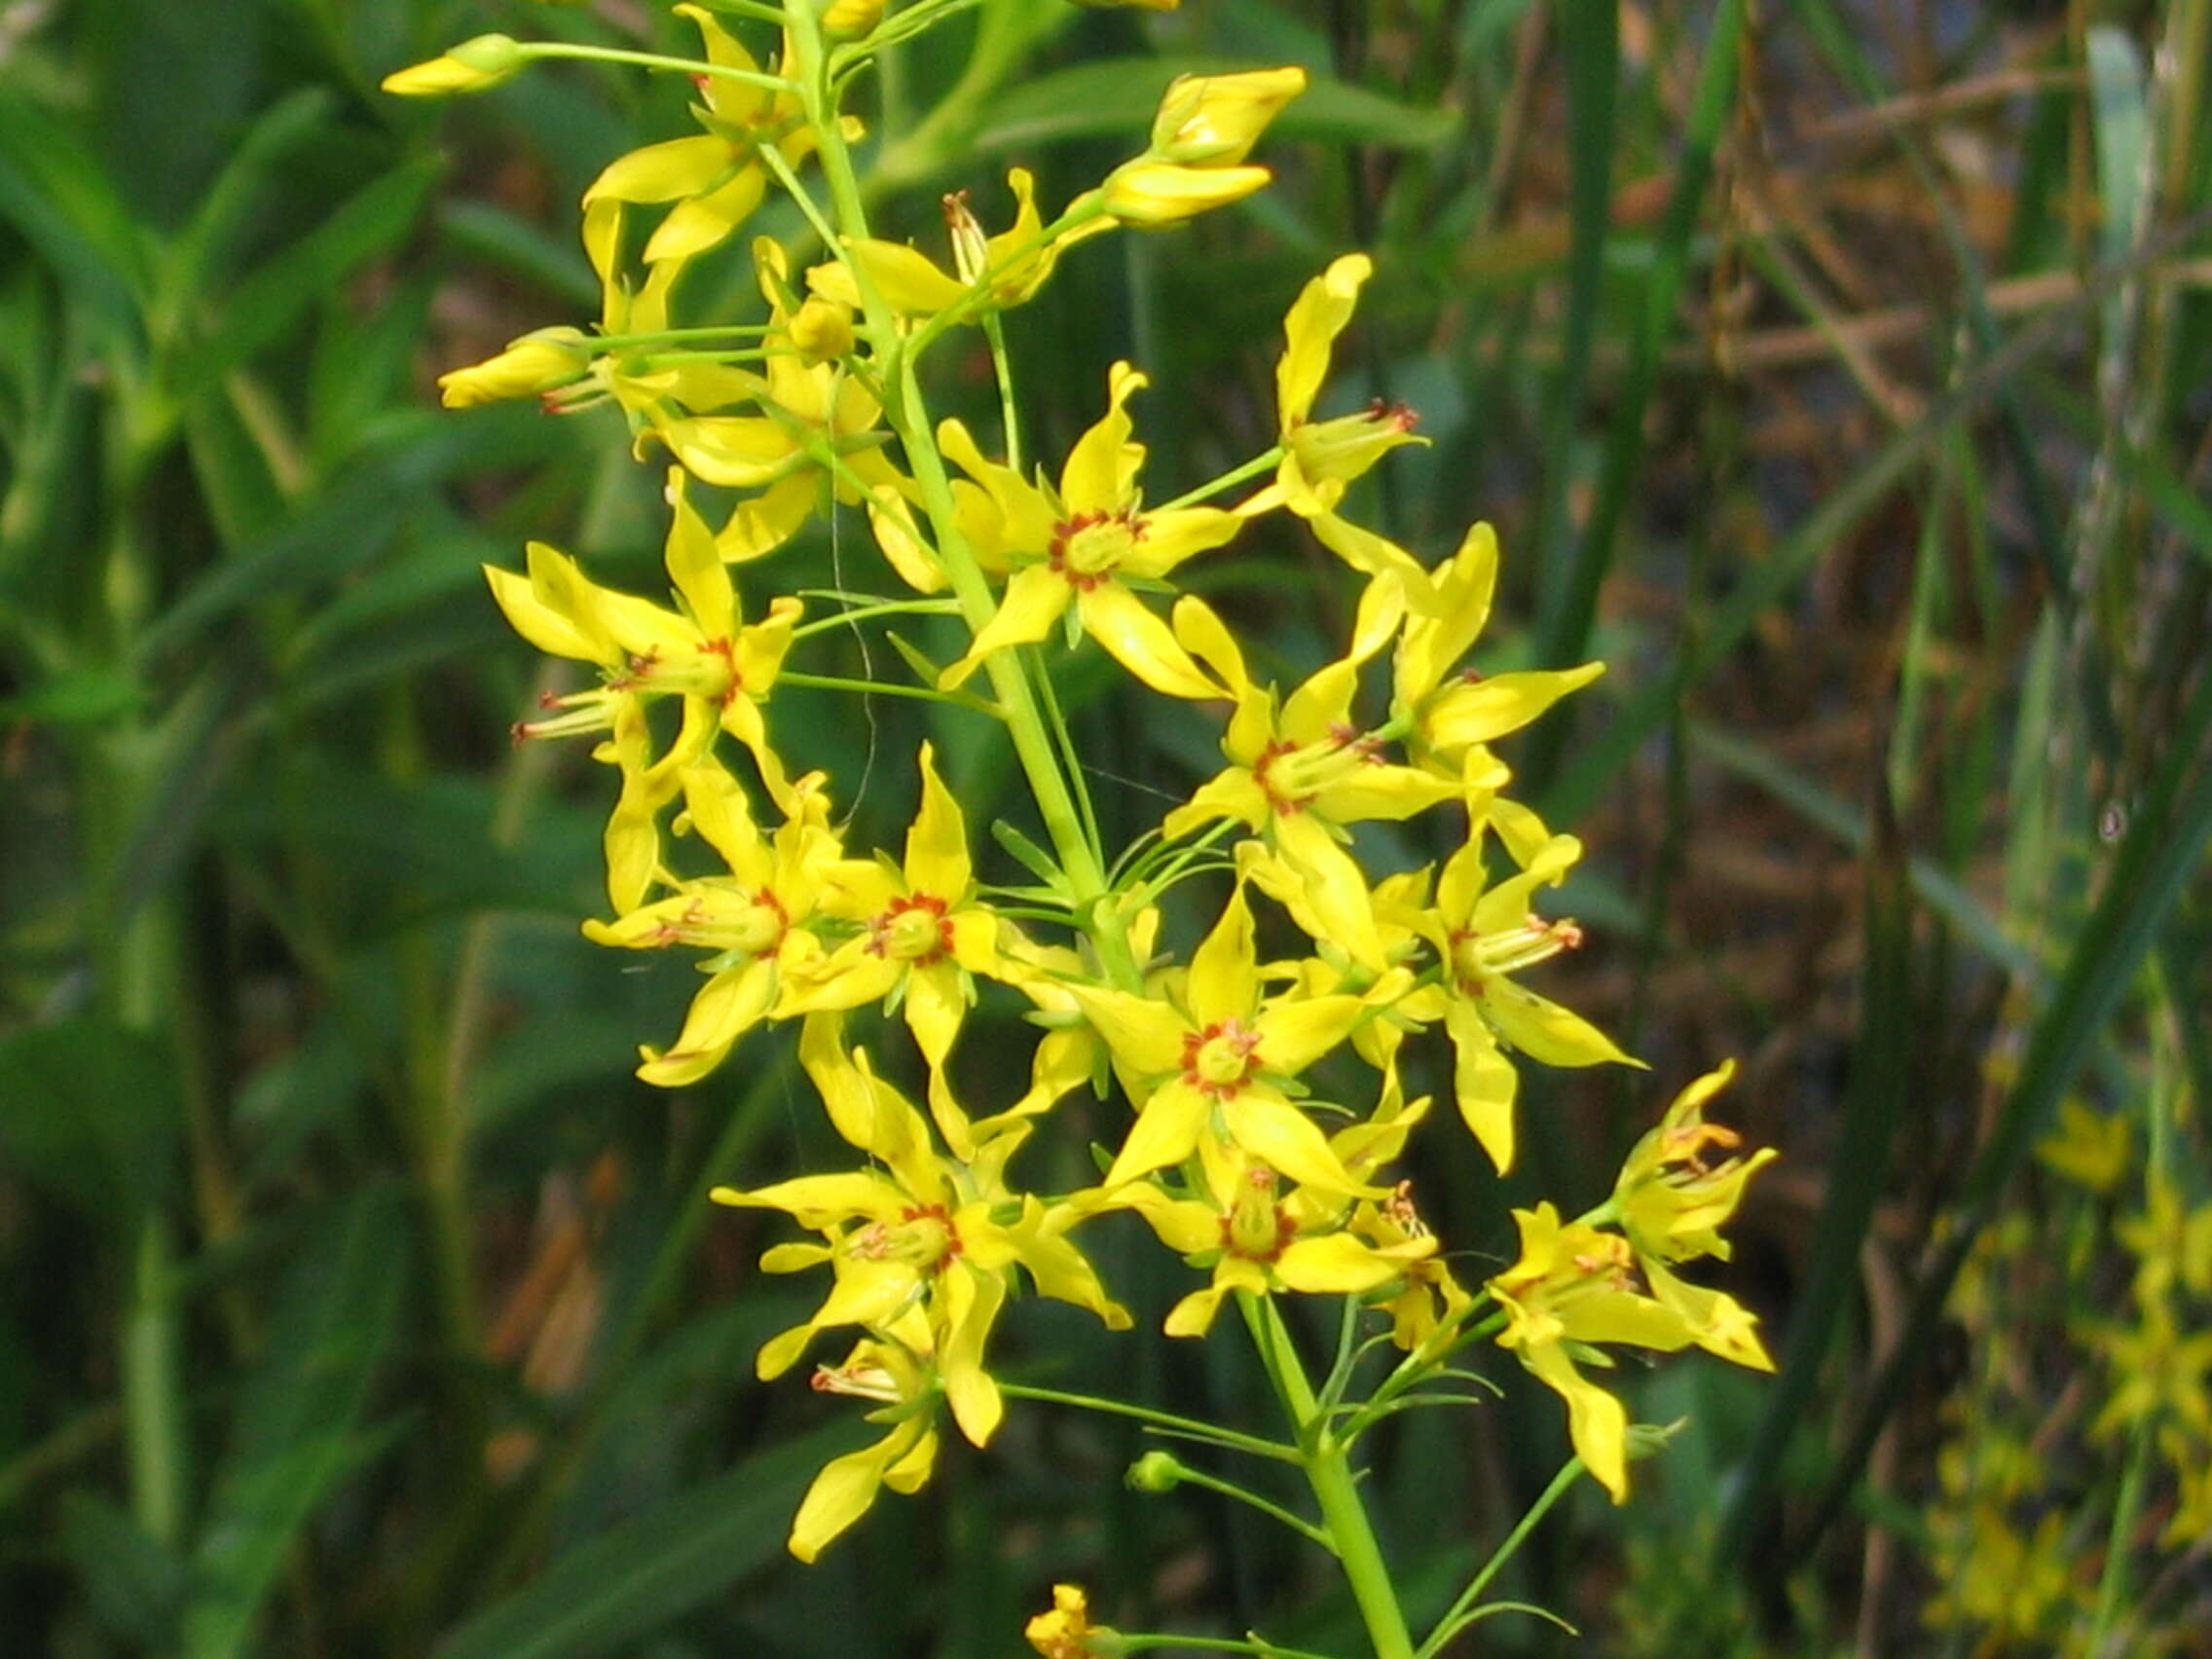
(1840, 374)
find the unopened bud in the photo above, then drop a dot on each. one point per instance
(530, 367)
(1213, 121)
(821, 330)
(1145, 193)
(472, 66)
(849, 19)
(1155, 1471)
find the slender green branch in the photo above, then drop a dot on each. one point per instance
(1463, 1611)
(1139, 1641)
(689, 66)
(1252, 469)
(868, 613)
(878, 688)
(1185, 1475)
(1166, 1421)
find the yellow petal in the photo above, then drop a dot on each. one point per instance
(1310, 331)
(1225, 976)
(1033, 602)
(1283, 1138)
(1484, 1083)
(968, 1387)
(1141, 642)
(1336, 1263)
(1166, 1129)
(663, 172)
(1597, 1423)
(1477, 711)
(1100, 471)
(1546, 1031)
(937, 846)
(844, 1492)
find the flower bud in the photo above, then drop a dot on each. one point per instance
(1149, 192)
(821, 330)
(1155, 1471)
(1213, 121)
(536, 363)
(849, 19)
(472, 66)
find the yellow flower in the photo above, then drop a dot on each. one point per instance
(644, 650)
(1321, 458)
(1008, 267)
(1082, 547)
(1301, 770)
(1432, 1299)
(1066, 1632)
(898, 1373)
(1220, 1054)
(917, 1228)
(1670, 1202)
(754, 918)
(810, 411)
(1449, 718)
(1256, 1239)
(1573, 1285)
(473, 66)
(2091, 1148)
(716, 178)
(921, 937)
(1484, 936)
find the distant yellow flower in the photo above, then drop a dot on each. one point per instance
(754, 918)
(917, 1228)
(1220, 1054)
(1301, 770)
(1573, 1284)
(1085, 547)
(2091, 1148)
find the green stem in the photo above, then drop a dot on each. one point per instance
(1168, 1420)
(868, 612)
(153, 1426)
(908, 417)
(1139, 1641)
(873, 688)
(657, 60)
(1185, 1475)
(1252, 469)
(1463, 1610)
(1328, 1471)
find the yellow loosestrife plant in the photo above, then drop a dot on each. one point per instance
(819, 401)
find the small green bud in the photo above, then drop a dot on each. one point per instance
(1155, 1471)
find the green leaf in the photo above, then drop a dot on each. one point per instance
(78, 697)
(88, 1111)
(260, 309)
(56, 192)
(620, 1588)
(1119, 96)
(295, 1436)
(135, 1587)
